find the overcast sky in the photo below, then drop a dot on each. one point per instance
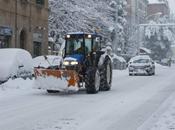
(172, 5)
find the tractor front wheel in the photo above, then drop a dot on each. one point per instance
(92, 80)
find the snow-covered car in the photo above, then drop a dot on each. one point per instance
(47, 61)
(15, 63)
(141, 64)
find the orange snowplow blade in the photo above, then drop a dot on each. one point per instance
(70, 75)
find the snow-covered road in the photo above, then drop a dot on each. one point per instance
(130, 103)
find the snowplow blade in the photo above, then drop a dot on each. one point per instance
(51, 79)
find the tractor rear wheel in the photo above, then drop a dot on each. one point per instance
(106, 75)
(92, 80)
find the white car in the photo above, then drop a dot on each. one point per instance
(47, 61)
(141, 64)
(15, 63)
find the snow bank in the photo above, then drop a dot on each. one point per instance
(18, 83)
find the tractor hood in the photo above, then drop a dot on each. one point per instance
(76, 57)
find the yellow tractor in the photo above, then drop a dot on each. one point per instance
(85, 64)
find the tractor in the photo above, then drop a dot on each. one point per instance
(85, 64)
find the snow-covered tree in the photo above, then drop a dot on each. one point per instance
(119, 34)
(159, 38)
(87, 16)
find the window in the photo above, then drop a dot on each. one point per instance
(40, 2)
(88, 45)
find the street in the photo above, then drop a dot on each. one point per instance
(130, 103)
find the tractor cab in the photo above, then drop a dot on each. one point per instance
(79, 45)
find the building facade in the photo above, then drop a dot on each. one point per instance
(24, 24)
(136, 11)
(158, 7)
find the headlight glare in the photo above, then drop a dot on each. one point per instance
(65, 63)
(74, 63)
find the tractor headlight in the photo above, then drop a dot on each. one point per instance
(68, 36)
(74, 63)
(70, 63)
(65, 63)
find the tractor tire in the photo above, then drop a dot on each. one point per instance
(106, 75)
(92, 80)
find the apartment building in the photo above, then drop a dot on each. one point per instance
(24, 24)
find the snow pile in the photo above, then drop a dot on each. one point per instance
(53, 83)
(18, 83)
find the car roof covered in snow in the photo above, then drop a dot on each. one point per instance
(9, 53)
(139, 57)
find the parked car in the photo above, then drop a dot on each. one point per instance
(47, 61)
(15, 63)
(118, 62)
(141, 64)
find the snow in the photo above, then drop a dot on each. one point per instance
(157, 1)
(88, 16)
(139, 57)
(148, 51)
(121, 59)
(17, 84)
(53, 83)
(52, 60)
(70, 59)
(135, 102)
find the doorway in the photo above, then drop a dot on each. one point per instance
(23, 39)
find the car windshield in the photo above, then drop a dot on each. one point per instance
(141, 61)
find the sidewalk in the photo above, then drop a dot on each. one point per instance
(163, 118)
